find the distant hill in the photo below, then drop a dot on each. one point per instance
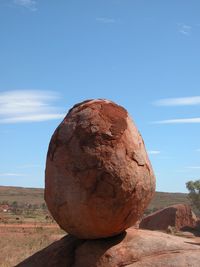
(21, 195)
(164, 199)
(36, 196)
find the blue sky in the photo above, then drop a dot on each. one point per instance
(143, 55)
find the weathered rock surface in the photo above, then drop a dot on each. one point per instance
(98, 176)
(179, 216)
(135, 248)
(198, 225)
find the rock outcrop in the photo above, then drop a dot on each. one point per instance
(98, 176)
(98, 182)
(134, 248)
(179, 216)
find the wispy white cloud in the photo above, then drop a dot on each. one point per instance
(178, 121)
(184, 29)
(6, 174)
(32, 118)
(105, 20)
(189, 169)
(180, 101)
(153, 152)
(193, 167)
(28, 106)
(28, 4)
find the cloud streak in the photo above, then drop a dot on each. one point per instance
(6, 174)
(28, 4)
(153, 152)
(105, 20)
(28, 106)
(181, 101)
(33, 118)
(193, 167)
(184, 29)
(178, 121)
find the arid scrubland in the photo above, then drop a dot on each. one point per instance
(18, 242)
(34, 230)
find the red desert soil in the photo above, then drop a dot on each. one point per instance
(29, 225)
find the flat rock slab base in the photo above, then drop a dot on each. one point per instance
(133, 248)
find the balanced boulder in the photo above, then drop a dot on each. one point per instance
(98, 178)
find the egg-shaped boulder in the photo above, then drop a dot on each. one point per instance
(98, 177)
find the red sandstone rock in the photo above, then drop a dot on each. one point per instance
(136, 248)
(98, 176)
(179, 216)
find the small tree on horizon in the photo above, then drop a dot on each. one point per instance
(194, 193)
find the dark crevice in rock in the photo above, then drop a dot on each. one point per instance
(137, 162)
(125, 264)
(77, 244)
(127, 216)
(79, 104)
(53, 145)
(138, 159)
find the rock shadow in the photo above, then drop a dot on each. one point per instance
(72, 252)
